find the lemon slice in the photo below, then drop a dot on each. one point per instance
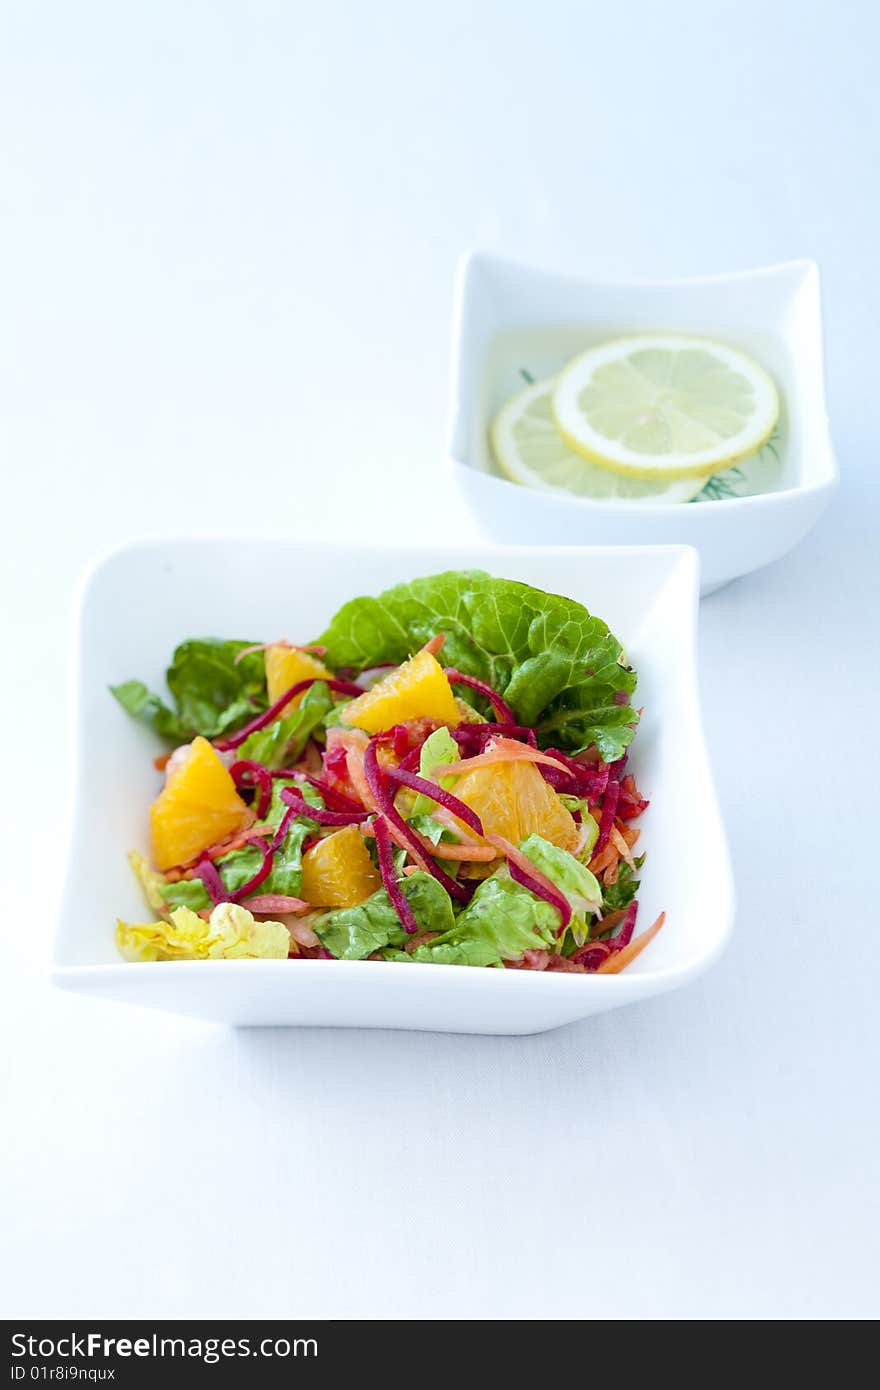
(530, 450)
(665, 406)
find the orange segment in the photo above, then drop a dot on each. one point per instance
(287, 665)
(416, 690)
(338, 871)
(512, 799)
(197, 807)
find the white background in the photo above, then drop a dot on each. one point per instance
(227, 240)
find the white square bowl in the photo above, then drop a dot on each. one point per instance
(141, 601)
(504, 311)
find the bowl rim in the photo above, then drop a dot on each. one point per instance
(82, 976)
(474, 257)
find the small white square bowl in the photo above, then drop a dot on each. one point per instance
(141, 601)
(504, 311)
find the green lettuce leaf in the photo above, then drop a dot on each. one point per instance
(189, 892)
(501, 921)
(278, 808)
(438, 748)
(351, 933)
(241, 864)
(621, 893)
(212, 694)
(573, 878)
(588, 822)
(283, 740)
(286, 875)
(432, 830)
(557, 666)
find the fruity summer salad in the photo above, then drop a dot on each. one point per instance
(440, 778)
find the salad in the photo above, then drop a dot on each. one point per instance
(440, 778)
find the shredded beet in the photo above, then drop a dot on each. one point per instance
(263, 871)
(609, 811)
(283, 826)
(336, 761)
(408, 736)
(631, 803)
(336, 800)
(592, 954)
(246, 773)
(389, 877)
(469, 736)
(225, 745)
(523, 871)
(384, 799)
(542, 888)
(627, 926)
(500, 706)
(587, 780)
(437, 793)
(301, 807)
(214, 884)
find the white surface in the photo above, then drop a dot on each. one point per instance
(648, 596)
(542, 318)
(212, 225)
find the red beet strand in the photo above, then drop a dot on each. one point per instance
(301, 807)
(225, 745)
(609, 811)
(500, 706)
(263, 871)
(216, 889)
(248, 773)
(554, 897)
(437, 793)
(385, 802)
(385, 854)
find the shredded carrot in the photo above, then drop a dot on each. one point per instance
(500, 750)
(601, 860)
(522, 861)
(622, 847)
(611, 873)
(471, 854)
(620, 959)
(178, 875)
(314, 647)
(457, 827)
(259, 647)
(629, 833)
(161, 762)
(466, 853)
(607, 923)
(354, 741)
(435, 644)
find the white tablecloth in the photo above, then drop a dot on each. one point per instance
(228, 239)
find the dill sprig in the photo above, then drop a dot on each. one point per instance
(723, 485)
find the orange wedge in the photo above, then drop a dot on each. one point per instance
(197, 807)
(338, 871)
(287, 665)
(416, 690)
(513, 800)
